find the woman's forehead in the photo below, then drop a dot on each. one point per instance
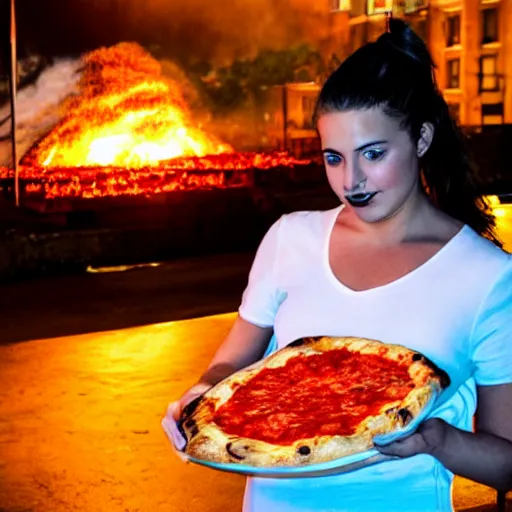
(357, 127)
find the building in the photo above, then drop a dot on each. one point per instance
(471, 45)
(468, 40)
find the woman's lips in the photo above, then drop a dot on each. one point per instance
(360, 200)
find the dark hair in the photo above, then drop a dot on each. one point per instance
(396, 74)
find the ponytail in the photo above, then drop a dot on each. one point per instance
(396, 74)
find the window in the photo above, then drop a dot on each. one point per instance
(453, 74)
(308, 108)
(489, 25)
(454, 109)
(339, 5)
(492, 113)
(357, 7)
(453, 30)
(489, 79)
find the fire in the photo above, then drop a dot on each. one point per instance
(127, 114)
(229, 170)
(129, 131)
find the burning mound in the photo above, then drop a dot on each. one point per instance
(129, 131)
(126, 114)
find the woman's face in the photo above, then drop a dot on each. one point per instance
(371, 162)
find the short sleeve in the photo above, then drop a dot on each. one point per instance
(492, 333)
(260, 299)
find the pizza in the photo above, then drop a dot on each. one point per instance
(316, 400)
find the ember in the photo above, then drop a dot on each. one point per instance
(128, 132)
(216, 171)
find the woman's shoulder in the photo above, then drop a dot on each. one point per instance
(313, 222)
(482, 254)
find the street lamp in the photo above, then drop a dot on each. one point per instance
(13, 78)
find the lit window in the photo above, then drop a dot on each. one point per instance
(489, 80)
(453, 74)
(453, 30)
(489, 25)
(340, 5)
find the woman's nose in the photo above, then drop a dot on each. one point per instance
(353, 177)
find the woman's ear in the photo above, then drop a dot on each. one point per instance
(425, 140)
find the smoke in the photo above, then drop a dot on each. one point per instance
(239, 29)
(186, 30)
(38, 106)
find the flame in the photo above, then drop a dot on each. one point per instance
(130, 132)
(127, 114)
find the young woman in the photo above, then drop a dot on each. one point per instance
(407, 258)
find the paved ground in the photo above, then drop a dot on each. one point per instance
(80, 424)
(58, 306)
(80, 414)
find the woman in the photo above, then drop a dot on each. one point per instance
(402, 260)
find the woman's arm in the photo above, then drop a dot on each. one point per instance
(244, 345)
(484, 456)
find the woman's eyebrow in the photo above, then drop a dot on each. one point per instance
(332, 151)
(368, 144)
(360, 148)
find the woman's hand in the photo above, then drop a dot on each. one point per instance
(175, 408)
(429, 438)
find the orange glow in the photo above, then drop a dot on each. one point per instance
(215, 171)
(127, 114)
(130, 132)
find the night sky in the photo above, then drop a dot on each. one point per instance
(187, 30)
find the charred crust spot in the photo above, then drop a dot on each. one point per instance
(297, 343)
(443, 376)
(189, 409)
(417, 357)
(233, 454)
(304, 450)
(405, 415)
(190, 423)
(194, 431)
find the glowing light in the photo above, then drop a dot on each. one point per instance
(120, 268)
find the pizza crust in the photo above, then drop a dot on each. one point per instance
(205, 440)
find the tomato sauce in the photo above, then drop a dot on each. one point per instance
(321, 394)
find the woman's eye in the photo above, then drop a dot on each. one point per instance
(332, 160)
(374, 154)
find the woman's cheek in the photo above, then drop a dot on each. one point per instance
(335, 179)
(392, 174)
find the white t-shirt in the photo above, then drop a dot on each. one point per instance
(456, 309)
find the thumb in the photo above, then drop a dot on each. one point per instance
(174, 410)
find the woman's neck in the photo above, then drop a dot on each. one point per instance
(417, 219)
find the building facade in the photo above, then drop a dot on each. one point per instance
(471, 44)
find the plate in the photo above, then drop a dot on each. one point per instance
(333, 467)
